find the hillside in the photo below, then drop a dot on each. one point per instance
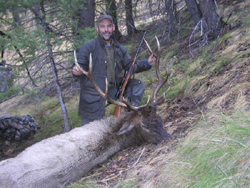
(206, 111)
(209, 119)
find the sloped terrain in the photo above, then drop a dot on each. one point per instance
(215, 93)
(208, 118)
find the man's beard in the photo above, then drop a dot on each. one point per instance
(106, 39)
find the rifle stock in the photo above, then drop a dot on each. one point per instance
(118, 109)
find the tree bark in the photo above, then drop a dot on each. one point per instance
(206, 11)
(193, 10)
(111, 10)
(47, 30)
(131, 30)
(16, 16)
(209, 14)
(171, 17)
(58, 88)
(87, 14)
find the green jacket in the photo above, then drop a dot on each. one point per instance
(91, 104)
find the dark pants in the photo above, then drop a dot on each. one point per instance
(134, 93)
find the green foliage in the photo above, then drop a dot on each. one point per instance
(25, 40)
(129, 48)
(12, 91)
(71, 8)
(84, 35)
(71, 11)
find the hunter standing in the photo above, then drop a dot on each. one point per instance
(110, 58)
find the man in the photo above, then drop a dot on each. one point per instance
(110, 58)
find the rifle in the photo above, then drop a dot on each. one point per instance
(127, 75)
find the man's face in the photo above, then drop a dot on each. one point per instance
(105, 29)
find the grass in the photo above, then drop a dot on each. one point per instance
(219, 64)
(47, 112)
(13, 91)
(128, 183)
(247, 20)
(83, 184)
(217, 152)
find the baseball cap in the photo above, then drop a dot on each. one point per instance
(104, 16)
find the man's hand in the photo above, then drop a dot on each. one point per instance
(76, 71)
(152, 59)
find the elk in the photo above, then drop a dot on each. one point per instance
(59, 160)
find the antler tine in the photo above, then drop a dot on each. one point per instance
(157, 100)
(148, 46)
(158, 59)
(137, 108)
(79, 67)
(97, 88)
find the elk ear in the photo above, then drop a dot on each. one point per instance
(126, 127)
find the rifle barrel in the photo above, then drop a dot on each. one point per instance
(126, 77)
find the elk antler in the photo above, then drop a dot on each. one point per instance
(97, 88)
(146, 42)
(158, 100)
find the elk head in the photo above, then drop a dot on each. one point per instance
(143, 119)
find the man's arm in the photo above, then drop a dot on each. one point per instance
(141, 65)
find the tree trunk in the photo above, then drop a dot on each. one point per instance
(16, 16)
(193, 10)
(149, 6)
(171, 17)
(209, 15)
(47, 30)
(131, 30)
(58, 88)
(87, 14)
(37, 8)
(111, 10)
(206, 11)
